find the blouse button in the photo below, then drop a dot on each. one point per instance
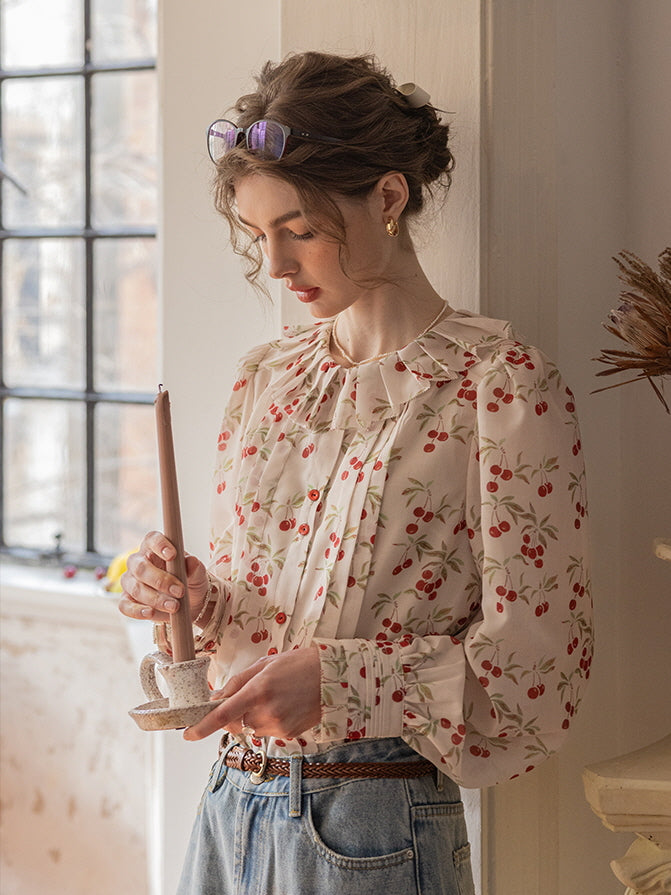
(303, 529)
(313, 494)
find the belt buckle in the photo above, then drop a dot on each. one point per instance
(257, 777)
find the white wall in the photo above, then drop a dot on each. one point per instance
(206, 51)
(581, 118)
(72, 763)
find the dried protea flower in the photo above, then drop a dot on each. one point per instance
(643, 320)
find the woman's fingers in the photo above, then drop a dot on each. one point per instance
(277, 696)
(149, 591)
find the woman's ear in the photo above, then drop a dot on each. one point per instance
(392, 193)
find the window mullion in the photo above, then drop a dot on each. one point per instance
(88, 291)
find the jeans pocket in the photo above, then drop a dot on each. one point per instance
(461, 857)
(346, 831)
(443, 852)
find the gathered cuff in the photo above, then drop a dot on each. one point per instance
(207, 638)
(362, 690)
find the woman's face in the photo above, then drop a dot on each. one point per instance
(308, 262)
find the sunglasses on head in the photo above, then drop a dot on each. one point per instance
(265, 138)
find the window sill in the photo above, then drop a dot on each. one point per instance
(31, 591)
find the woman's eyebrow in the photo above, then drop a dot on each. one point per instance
(282, 219)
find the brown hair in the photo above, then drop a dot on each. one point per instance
(351, 98)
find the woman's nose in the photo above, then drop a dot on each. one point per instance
(281, 263)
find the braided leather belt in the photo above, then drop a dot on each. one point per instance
(246, 760)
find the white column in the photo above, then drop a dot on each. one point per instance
(632, 794)
(210, 317)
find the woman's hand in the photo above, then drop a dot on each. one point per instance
(278, 696)
(149, 591)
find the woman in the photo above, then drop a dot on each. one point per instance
(396, 601)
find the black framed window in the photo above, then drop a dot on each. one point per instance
(78, 210)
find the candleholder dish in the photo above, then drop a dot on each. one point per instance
(160, 715)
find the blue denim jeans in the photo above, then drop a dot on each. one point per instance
(293, 836)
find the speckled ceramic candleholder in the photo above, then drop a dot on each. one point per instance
(188, 698)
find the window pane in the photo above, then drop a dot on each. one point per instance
(123, 29)
(126, 476)
(44, 330)
(43, 147)
(124, 148)
(39, 33)
(44, 473)
(126, 315)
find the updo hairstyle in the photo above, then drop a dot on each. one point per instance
(353, 99)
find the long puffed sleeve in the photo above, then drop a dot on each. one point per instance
(479, 662)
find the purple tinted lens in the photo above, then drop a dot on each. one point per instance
(266, 138)
(222, 137)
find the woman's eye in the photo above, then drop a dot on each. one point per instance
(258, 238)
(307, 235)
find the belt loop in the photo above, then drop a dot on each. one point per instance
(440, 780)
(295, 785)
(216, 775)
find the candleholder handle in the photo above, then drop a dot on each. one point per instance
(148, 674)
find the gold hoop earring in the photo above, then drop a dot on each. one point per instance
(392, 227)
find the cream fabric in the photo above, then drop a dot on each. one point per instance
(422, 519)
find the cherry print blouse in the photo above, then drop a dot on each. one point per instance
(421, 519)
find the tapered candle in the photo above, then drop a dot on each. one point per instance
(183, 648)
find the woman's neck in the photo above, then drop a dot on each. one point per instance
(386, 319)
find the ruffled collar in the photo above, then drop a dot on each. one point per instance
(322, 394)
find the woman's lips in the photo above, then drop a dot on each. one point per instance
(305, 295)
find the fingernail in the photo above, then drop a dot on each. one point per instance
(147, 613)
(170, 605)
(167, 552)
(176, 590)
(189, 734)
